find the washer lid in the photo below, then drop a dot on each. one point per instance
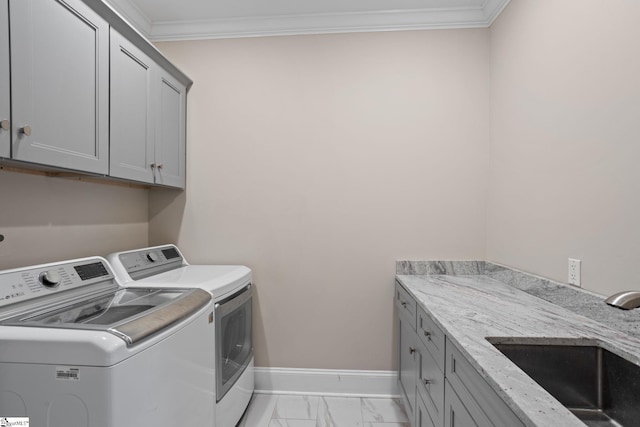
(131, 314)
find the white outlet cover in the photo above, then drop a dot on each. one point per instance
(574, 272)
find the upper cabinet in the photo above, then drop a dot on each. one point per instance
(132, 129)
(170, 130)
(59, 84)
(81, 90)
(5, 124)
(147, 118)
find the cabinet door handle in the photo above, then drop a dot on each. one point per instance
(153, 165)
(412, 350)
(5, 124)
(26, 129)
(427, 333)
(404, 304)
(427, 382)
(160, 166)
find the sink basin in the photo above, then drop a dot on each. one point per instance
(596, 385)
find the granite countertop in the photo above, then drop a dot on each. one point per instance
(470, 305)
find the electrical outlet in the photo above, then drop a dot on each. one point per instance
(574, 272)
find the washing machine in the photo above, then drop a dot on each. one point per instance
(231, 288)
(77, 349)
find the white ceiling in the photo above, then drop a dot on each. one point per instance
(202, 19)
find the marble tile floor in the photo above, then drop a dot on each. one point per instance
(271, 410)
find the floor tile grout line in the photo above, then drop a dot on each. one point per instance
(319, 399)
(275, 406)
(318, 410)
(273, 410)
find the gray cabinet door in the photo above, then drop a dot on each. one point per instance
(132, 124)
(5, 134)
(59, 81)
(170, 132)
(407, 371)
(455, 413)
(423, 418)
(430, 383)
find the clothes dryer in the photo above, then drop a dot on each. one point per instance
(231, 288)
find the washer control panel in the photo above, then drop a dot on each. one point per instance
(27, 283)
(50, 278)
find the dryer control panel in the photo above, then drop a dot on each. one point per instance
(147, 262)
(24, 284)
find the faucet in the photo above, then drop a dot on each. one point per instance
(625, 300)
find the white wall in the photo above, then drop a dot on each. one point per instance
(46, 219)
(565, 144)
(320, 160)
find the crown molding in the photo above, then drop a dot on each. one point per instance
(132, 13)
(389, 20)
(493, 9)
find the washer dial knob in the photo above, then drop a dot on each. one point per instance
(50, 278)
(151, 256)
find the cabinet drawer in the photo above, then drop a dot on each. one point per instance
(430, 384)
(406, 305)
(432, 337)
(484, 405)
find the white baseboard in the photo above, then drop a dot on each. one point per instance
(326, 382)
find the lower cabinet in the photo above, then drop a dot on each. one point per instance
(439, 387)
(407, 370)
(455, 413)
(423, 419)
(406, 328)
(430, 384)
(485, 407)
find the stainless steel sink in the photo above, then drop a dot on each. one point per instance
(596, 385)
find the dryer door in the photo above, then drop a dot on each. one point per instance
(234, 341)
